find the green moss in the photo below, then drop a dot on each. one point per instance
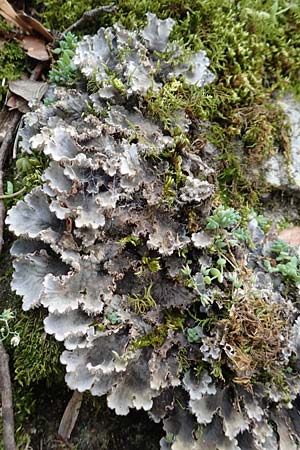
(36, 358)
(154, 339)
(142, 303)
(13, 63)
(173, 321)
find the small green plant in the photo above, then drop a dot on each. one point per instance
(214, 273)
(287, 263)
(152, 264)
(223, 218)
(194, 282)
(25, 176)
(65, 72)
(113, 318)
(194, 334)
(262, 221)
(280, 247)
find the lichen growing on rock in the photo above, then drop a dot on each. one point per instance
(155, 296)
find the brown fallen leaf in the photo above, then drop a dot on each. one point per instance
(16, 102)
(21, 20)
(35, 48)
(34, 25)
(10, 15)
(30, 90)
(290, 235)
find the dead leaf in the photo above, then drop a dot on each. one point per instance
(10, 15)
(30, 90)
(290, 235)
(21, 20)
(34, 25)
(16, 102)
(35, 48)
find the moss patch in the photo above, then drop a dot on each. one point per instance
(13, 62)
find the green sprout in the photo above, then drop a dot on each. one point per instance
(65, 72)
(194, 334)
(223, 218)
(194, 282)
(153, 264)
(113, 318)
(287, 264)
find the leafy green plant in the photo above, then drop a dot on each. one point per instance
(214, 273)
(194, 282)
(153, 264)
(113, 318)
(287, 262)
(194, 334)
(65, 72)
(25, 176)
(223, 218)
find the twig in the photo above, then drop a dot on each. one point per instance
(15, 147)
(7, 403)
(90, 16)
(70, 415)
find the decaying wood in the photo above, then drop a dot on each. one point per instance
(89, 17)
(4, 124)
(7, 403)
(6, 145)
(70, 415)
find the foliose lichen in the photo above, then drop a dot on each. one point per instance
(162, 303)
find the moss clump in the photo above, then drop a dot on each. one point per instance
(36, 358)
(142, 303)
(24, 175)
(174, 321)
(253, 337)
(13, 63)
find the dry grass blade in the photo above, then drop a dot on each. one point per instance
(253, 336)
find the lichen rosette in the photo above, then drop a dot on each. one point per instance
(116, 246)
